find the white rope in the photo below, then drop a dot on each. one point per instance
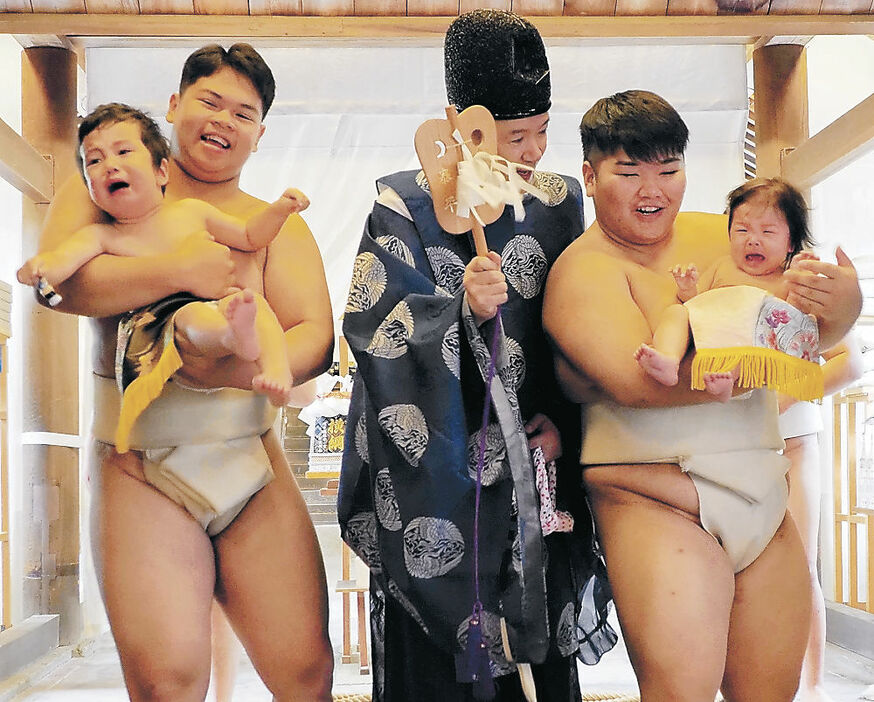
(487, 179)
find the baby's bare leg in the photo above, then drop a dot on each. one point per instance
(218, 331)
(264, 330)
(244, 326)
(661, 360)
(720, 384)
(253, 327)
(275, 379)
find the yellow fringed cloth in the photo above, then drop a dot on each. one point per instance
(146, 358)
(771, 343)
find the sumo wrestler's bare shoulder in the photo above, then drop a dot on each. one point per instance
(583, 263)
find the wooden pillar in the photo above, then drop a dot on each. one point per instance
(50, 474)
(780, 79)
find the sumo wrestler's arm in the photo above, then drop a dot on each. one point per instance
(295, 287)
(109, 285)
(843, 365)
(828, 291)
(595, 326)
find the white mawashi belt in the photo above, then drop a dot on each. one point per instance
(181, 416)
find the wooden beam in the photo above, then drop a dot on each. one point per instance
(130, 7)
(15, 6)
(381, 8)
(795, 7)
(29, 41)
(253, 27)
(58, 5)
(468, 5)
(327, 8)
(641, 7)
(531, 8)
(604, 8)
(844, 140)
(49, 357)
(780, 80)
(23, 167)
(690, 7)
(221, 7)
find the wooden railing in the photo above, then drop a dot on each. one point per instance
(853, 412)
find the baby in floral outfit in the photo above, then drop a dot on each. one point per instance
(743, 330)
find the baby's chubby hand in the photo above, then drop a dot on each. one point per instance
(803, 256)
(31, 271)
(686, 276)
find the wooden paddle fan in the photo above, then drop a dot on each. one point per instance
(440, 145)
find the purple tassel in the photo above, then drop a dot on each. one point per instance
(472, 665)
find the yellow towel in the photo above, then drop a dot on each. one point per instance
(140, 393)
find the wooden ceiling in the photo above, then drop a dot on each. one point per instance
(430, 8)
(88, 23)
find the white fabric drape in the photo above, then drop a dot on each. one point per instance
(346, 114)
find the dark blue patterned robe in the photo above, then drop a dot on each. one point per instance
(407, 486)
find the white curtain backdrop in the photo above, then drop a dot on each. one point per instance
(346, 114)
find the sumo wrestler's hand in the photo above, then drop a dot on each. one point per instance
(828, 291)
(205, 265)
(485, 286)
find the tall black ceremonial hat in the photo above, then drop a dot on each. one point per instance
(496, 59)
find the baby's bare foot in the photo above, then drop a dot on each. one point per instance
(657, 365)
(240, 337)
(719, 385)
(277, 391)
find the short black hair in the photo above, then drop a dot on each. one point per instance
(242, 58)
(114, 112)
(639, 122)
(785, 197)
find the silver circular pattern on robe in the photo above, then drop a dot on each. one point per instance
(361, 439)
(447, 266)
(361, 537)
(408, 606)
(524, 264)
(386, 504)
(405, 424)
(553, 185)
(565, 634)
(368, 283)
(450, 349)
(397, 248)
(491, 630)
(432, 547)
(390, 338)
(512, 370)
(495, 465)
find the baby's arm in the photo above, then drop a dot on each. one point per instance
(109, 285)
(58, 264)
(260, 229)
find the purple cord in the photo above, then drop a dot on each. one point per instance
(481, 460)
